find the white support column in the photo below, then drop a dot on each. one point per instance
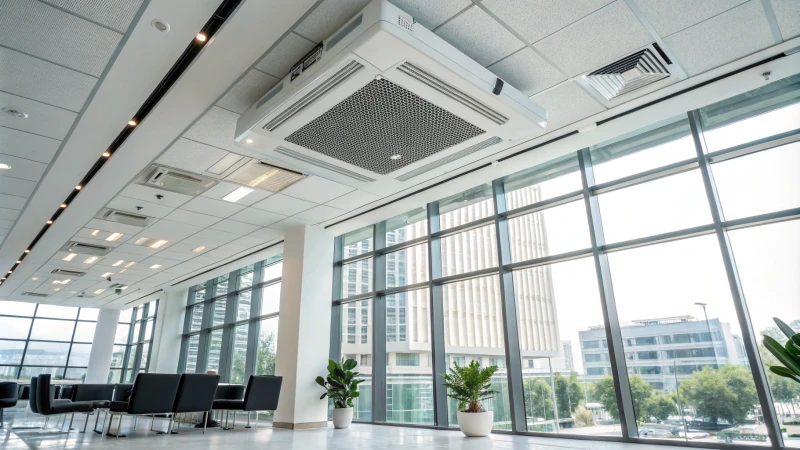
(304, 327)
(168, 332)
(102, 346)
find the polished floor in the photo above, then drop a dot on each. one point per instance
(14, 435)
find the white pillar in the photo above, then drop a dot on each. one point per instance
(102, 346)
(304, 327)
(168, 332)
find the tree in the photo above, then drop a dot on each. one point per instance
(538, 398)
(660, 406)
(728, 393)
(606, 395)
(569, 394)
(265, 362)
(583, 417)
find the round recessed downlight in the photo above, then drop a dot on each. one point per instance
(13, 112)
(160, 25)
(132, 123)
(249, 141)
(395, 157)
(201, 37)
(4, 166)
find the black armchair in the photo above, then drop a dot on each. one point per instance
(262, 394)
(8, 397)
(47, 406)
(153, 393)
(100, 395)
(196, 393)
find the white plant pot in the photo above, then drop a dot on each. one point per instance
(475, 424)
(342, 417)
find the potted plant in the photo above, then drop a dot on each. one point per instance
(468, 385)
(788, 355)
(342, 385)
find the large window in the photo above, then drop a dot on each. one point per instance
(133, 343)
(621, 290)
(37, 339)
(222, 316)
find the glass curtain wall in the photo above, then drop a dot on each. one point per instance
(622, 291)
(37, 339)
(231, 324)
(133, 343)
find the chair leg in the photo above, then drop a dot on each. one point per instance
(135, 422)
(97, 419)
(1, 417)
(171, 422)
(71, 419)
(119, 427)
(46, 419)
(256, 420)
(248, 419)
(205, 421)
(85, 423)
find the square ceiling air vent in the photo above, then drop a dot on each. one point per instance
(124, 217)
(266, 176)
(175, 180)
(71, 273)
(85, 249)
(631, 73)
(34, 294)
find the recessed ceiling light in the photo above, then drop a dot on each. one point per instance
(99, 291)
(34, 278)
(155, 266)
(249, 141)
(395, 157)
(199, 249)
(78, 187)
(113, 236)
(132, 123)
(106, 154)
(123, 270)
(94, 233)
(160, 25)
(201, 37)
(63, 205)
(118, 263)
(129, 264)
(49, 222)
(10, 271)
(158, 244)
(56, 289)
(70, 257)
(19, 261)
(4, 166)
(13, 112)
(91, 259)
(107, 274)
(238, 194)
(61, 282)
(27, 250)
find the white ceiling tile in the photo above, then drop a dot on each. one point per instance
(148, 194)
(12, 201)
(38, 29)
(42, 81)
(317, 189)
(116, 14)
(23, 168)
(27, 145)
(101, 235)
(788, 14)
(232, 226)
(319, 213)
(282, 204)
(567, 103)
(248, 242)
(191, 155)
(42, 119)
(119, 253)
(535, 19)
(193, 218)
(675, 15)
(173, 231)
(217, 128)
(256, 217)
(216, 208)
(528, 72)
(9, 214)
(133, 204)
(267, 234)
(224, 188)
(595, 40)
(279, 61)
(479, 36)
(247, 91)
(722, 39)
(329, 17)
(16, 186)
(289, 222)
(353, 200)
(217, 237)
(431, 14)
(6, 224)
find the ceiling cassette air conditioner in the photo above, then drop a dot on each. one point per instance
(382, 97)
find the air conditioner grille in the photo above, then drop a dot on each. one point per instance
(34, 294)
(325, 165)
(448, 159)
(628, 74)
(72, 273)
(380, 120)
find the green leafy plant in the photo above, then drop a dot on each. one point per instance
(583, 417)
(788, 355)
(469, 385)
(341, 383)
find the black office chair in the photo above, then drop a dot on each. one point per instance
(262, 394)
(9, 392)
(196, 393)
(30, 395)
(47, 406)
(153, 393)
(100, 395)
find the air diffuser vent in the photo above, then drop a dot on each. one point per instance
(113, 215)
(34, 294)
(319, 163)
(448, 159)
(86, 249)
(175, 180)
(628, 74)
(263, 175)
(70, 273)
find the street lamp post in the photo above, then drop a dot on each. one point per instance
(708, 327)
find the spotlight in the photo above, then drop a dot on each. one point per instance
(201, 37)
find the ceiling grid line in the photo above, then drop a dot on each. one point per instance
(681, 72)
(454, 16)
(772, 20)
(48, 61)
(92, 21)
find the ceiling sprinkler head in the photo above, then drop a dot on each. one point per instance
(13, 112)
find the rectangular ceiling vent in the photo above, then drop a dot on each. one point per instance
(175, 180)
(628, 74)
(127, 218)
(319, 163)
(264, 175)
(86, 249)
(448, 159)
(69, 273)
(305, 101)
(452, 92)
(34, 294)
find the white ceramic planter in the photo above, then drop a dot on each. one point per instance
(342, 417)
(475, 424)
